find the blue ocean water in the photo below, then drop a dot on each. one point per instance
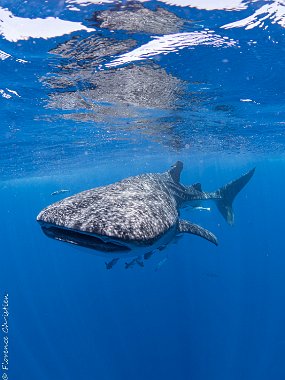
(92, 92)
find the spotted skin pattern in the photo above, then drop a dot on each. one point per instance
(137, 211)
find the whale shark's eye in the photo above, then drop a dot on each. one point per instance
(83, 239)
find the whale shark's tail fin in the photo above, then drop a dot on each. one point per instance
(228, 193)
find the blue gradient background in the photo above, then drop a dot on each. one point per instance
(207, 313)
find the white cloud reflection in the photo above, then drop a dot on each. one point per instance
(274, 12)
(14, 28)
(172, 43)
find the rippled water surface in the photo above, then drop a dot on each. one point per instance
(83, 81)
(95, 91)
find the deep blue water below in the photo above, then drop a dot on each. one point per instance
(92, 92)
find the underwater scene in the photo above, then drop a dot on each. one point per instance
(141, 190)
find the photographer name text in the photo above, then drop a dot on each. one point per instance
(5, 332)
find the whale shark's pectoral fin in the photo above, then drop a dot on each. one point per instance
(191, 228)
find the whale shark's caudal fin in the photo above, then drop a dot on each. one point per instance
(228, 194)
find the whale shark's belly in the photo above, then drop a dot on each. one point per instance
(133, 213)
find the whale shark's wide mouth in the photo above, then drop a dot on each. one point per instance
(83, 239)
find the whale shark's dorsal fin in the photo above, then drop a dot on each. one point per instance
(175, 171)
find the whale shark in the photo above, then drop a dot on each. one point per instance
(135, 216)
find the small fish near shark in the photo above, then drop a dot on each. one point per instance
(135, 216)
(61, 191)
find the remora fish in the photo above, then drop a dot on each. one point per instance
(61, 191)
(134, 216)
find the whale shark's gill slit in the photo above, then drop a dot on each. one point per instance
(83, 240)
